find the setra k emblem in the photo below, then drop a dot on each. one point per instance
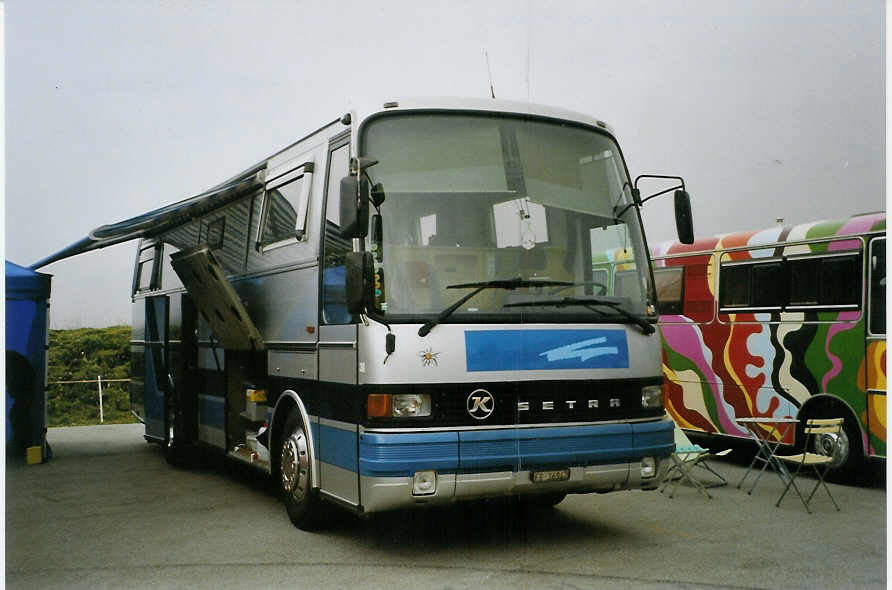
(480, 404)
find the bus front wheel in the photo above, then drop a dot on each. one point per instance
(295, 471)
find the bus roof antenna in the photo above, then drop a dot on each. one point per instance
(492, 92)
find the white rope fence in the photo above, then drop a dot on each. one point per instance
(99, 381)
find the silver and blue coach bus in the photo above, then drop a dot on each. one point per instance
(400, 309)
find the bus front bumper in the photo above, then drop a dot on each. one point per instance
(400, 470)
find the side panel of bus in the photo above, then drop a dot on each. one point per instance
(765, 325)
(267, 244)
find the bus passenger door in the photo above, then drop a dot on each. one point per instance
(157, 377)
(875, 357)
(338, 401)
(182, 358)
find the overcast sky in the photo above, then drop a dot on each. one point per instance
(768, 109)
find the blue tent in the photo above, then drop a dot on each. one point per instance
(27, 299)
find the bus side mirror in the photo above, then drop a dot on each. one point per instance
(684, 223)
(354, 207)
(360, 281)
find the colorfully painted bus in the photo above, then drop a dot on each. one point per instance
(451, 344)
(783, 322)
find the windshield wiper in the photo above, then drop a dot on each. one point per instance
(590, 304)
(517, 283)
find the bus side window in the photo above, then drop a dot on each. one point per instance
(281, 216)
(752, 285)
(826, 281)
(838, 276)
(670, 289)
(768, 285)
(877, 271)
(334, 302)
(805, 278)
(146, 276)
(734, 287)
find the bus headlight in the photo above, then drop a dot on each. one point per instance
(411, 405)
(399, 405)
(652, 396)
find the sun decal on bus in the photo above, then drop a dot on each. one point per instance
(429, 357)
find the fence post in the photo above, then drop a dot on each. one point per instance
(99, 380)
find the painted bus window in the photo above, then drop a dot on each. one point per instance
(840, 281)
(670, 282)
(752, 285)
(825, 281)
(805, 281)
(767, 285)
(791, 284)
(736, 285)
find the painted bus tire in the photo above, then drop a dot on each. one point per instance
(848, 456)
(849, 461)
(295, 474)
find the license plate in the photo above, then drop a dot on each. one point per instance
(553, 475)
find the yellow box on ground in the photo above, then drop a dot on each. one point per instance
(33, 455)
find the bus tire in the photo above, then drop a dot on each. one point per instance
(848, 463)
(851, 467)
(295, 475)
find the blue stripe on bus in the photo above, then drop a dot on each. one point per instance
(655, 438)
(337, 447)
(577, 445)
(383, 455)
(528, 350)
(401, 455)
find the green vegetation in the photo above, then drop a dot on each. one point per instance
(83, 355)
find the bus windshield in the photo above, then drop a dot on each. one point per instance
(537, 208)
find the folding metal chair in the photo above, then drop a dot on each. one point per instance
(686, 457)
(818, 463)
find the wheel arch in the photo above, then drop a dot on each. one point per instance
(290, 401)
(817, 404)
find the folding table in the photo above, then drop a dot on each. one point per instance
(767, 445)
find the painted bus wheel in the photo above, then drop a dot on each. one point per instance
(295, 470)
(837, 446)
(845, 448)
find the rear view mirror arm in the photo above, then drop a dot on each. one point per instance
(637, 194)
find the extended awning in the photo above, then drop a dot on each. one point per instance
(160, 220)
